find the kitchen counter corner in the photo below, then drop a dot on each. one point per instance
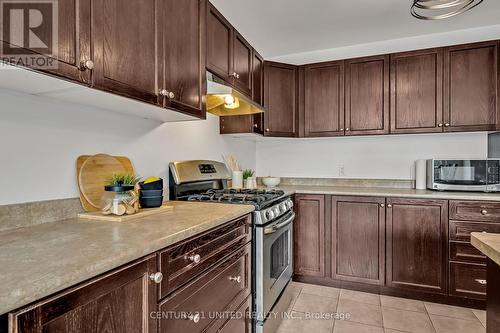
(488, 244)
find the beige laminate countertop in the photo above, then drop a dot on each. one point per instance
(41, 260)
(388, 192)
(488, 244)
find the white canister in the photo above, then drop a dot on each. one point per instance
(421, 174)
(251, 183)
(237, 179)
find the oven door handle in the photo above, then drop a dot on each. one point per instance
(272, 229)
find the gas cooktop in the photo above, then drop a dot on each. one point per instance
(259, 198)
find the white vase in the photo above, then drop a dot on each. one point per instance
(251, 183)
(237, 179)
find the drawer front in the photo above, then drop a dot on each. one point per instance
(185, 261)
(468, 280)
(460, 231)
(241, 321)
(475, 211)
(196, 306)
(466, 252)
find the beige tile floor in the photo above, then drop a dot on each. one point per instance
(370, 313)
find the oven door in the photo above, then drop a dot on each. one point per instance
(274, 262)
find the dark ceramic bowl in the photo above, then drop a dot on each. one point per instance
(151, 193)
(157, 185)
(151, 202)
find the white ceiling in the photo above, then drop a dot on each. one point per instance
(283, 27)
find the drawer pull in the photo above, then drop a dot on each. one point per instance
(236, 279)
(480, 281)
(484, 212)
(196, 258)
(156, 277)
(195, 318)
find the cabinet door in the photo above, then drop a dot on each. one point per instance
(258, 91)
(183, 54)
(417, 244)
(416, 92)
(324, 99)
(309, 235)
(124, 39)
(367, 96)
(280, 99)
(73, 41)
(242, 64)
(358, 239)
(471, 87)
(219, 44)
(120, 302)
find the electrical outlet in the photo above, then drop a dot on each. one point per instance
(341, 171)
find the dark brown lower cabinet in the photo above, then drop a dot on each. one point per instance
(358, 239)
(310, 237)
(197, 306)
(493, 302)
(417, 232)
(468, 280)
(206, 280)
(117, 303)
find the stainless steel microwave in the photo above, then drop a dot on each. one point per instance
(464, 175)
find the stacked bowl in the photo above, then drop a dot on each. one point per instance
(151, 194)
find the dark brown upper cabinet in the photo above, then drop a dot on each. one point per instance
(417, 240)
(219, 44)
(242, 64)
(249, 123)
(324, 99)
(72, 55)
(118, 302)
(280, 99)
(309, 236)
(417, 92)
(125, 48)
(367, 96)
(358, 239)
(471, 87)
(182, 63)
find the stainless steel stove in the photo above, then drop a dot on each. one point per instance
(206, 181)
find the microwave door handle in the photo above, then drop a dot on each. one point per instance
(272, 229)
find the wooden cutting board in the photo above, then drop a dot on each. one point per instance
(98, 216)
(94, 172)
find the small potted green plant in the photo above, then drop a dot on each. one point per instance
(249, 181)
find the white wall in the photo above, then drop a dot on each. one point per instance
(41, 138)
(377, 157)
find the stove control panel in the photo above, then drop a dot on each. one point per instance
(274, 212)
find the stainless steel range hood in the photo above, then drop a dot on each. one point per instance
(223, 100)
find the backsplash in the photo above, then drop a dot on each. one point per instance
(33, 213)
(364, 157)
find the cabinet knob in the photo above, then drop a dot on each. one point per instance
(389, 206)
(167, 94)
(341, 130)
(382, 205)
(236, 279)
(194, 317)
(87, 64)
(440, 125)
(196, 258)
(484, 212)
(236, 75)
(156, 277)
(267, 130)
(255, 125)
(446, 125)
(480, 281)
(347, 129)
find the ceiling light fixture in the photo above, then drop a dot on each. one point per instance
(441, 9)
